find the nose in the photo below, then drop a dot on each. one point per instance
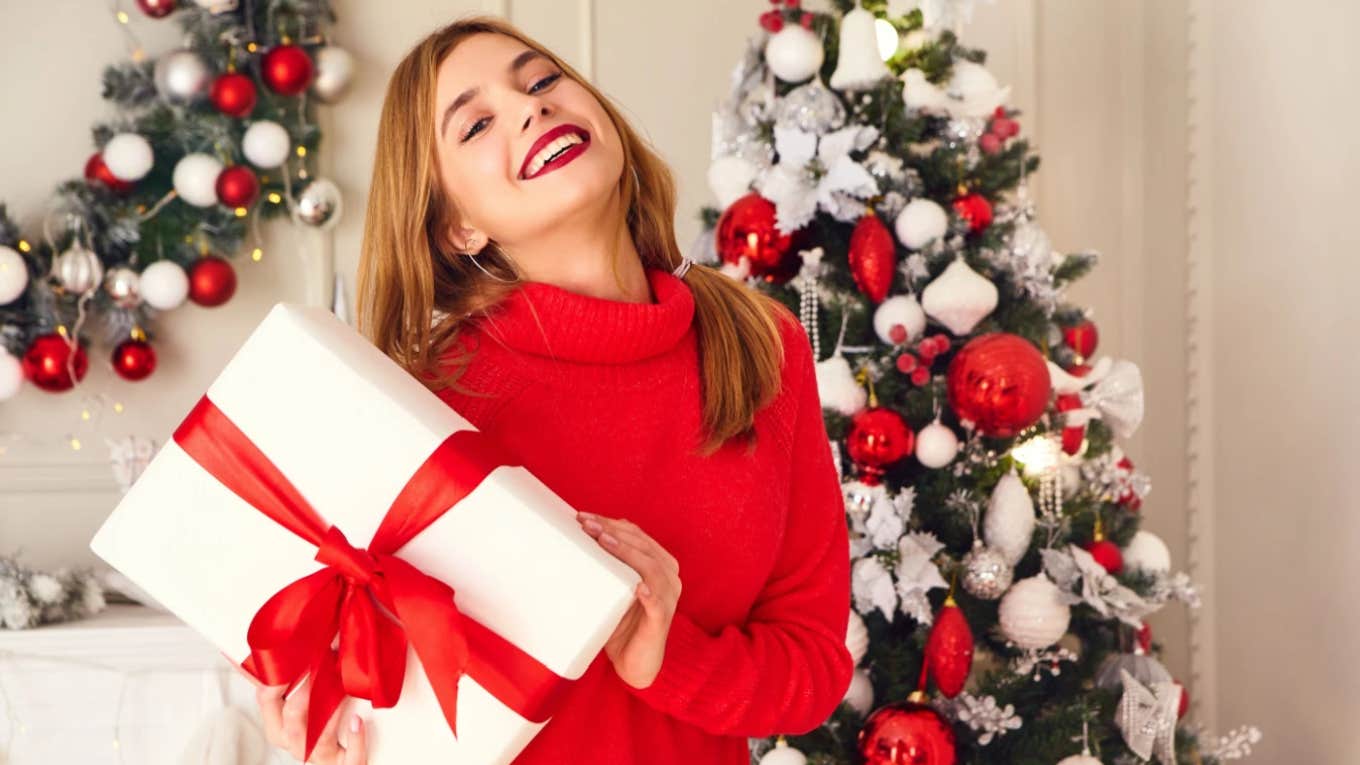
(535, 107)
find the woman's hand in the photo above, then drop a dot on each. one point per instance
(285, 725)
(639, 642)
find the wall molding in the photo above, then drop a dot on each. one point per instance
(1199, 351)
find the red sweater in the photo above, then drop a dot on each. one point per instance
(601, 401)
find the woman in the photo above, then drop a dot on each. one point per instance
(513, 204)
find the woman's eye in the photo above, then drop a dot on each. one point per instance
(473, 130)
(546, 81)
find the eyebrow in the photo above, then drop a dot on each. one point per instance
(515, 65)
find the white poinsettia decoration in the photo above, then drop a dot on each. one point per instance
(917, 574)
(817, 172)
(1082, 580)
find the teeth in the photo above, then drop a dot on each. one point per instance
(541, 158)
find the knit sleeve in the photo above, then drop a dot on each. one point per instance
(785, 670)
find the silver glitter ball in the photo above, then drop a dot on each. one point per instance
(986, 574)
(812, 108)
(181, 75)
(78, 270)
(319, 204)
(124, 286)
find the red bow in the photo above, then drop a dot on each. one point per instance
(373, 599)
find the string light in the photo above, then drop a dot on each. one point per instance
(241, 212)
(256, 254)
(274, 197)
(24, 246)
(302, 151)
(75, 444)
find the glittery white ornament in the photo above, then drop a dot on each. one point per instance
(986, 574)
(11, 375)
(13, 275)
(122, 284)
(265, 144)
(164, 285)
(936, 445)
(794, 53)
(859, 66)
(860, 694)
(78, 270)
(959, 298)
(783, 754)
(899, 309)
(128, 156)
(837, 387)
(195, 179)
(920, 222)
(856, 636)
(1147, 553)
(1032, 613)
(729, 178)
(1009, 523)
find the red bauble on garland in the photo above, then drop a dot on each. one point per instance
(98, 172)
(1107, 554)
(234, 94)
(747, 229)
(286, 69)
(237, 186)
(134, 360)
(975, 209)
(1082, 338)
(878, 438)
(1000, 383)
(907, 733)
(949, 649)
(212, 281)
(157, 9)
(1129, 499)
(44, 363)
(1184, 705)
(873, 257)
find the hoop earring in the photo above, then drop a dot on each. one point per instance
(473, 257)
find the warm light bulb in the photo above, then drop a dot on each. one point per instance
(256, 254)
(122, 17)
(118, 407)
(85, 415)
(274, 197)
(1038, 455)
(75, 444)
(241, 212)
(24, 246)
(887, 38)
(302, 151)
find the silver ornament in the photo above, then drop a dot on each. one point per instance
(181, 76)
(124, 286)
(78, 270)
(986, 574)
(334, 71)
(319, 204)
(811, 108)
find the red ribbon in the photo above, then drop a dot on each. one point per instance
(374, 600)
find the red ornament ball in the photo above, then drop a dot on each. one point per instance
(975, 209)
(990, 143)
(949, 649)
(237, 186)
(134, 360)
(1000, 383)
(873, 257)
(286, 69)
(1107, 554)
(233, 94)
(878, 437)
(212, 281)
(98, 172)
(1145, 637)
(906, 733)
(45, 363)
(1184, 705)
(1082, 338)
(747, 229)
(157, 9)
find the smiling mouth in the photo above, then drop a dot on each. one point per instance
(555, 149)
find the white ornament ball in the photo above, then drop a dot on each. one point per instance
(1032, 613)
(1079, 759)
(13, 275)
(216, 6)
(936, 445)
(837, 387)
(856, 636)
(334, 71)
(78, 270)
(195, 179)
(1147, 553)
(1010, 518)
(265, 144)
(11, 375)
(793, 53)
(959, 297)
(860, 694)
(164, 285)
(899, 309)
(730, 178)
(181, 75)
(128, 156)
(319, 204)
(921, 222)
(783, 754)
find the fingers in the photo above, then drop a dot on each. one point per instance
(295, 719)
(270, 699)
(356, 745)
(328, 746)
(659, 589)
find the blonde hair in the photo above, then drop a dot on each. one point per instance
(407, 273)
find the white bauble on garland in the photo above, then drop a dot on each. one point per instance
(1032, 613)
(959, 297)
(793, 53)
(856, 636)
(860, 693)
(899, 309)
(837, 387)
(1147, 553)
(13, 275)
(128, 156)
(265, 144)
(11, 375)
(936, 445)
(921, 222)
(195, 179)
(1009, 523)
(181, 76)
(334, 71)
(783, 754)
(78, 269)
(164, 285)
(729, 178)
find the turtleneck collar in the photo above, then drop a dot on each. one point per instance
(543, 319)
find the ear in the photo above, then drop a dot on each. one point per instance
(464, 239)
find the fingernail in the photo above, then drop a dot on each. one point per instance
(582, 514)
(354, 723)
(592, 526)
(608, 538)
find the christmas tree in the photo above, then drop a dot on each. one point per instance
(870, 174)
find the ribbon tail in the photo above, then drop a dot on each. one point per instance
(435, 628)
(372, 651)
(326, 694)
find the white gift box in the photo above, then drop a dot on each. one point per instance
(348, 427)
